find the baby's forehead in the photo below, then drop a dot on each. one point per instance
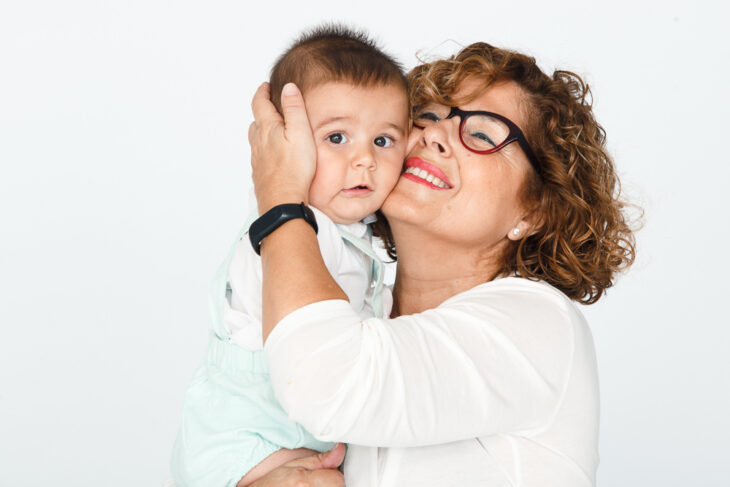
(349, 93)
(359, 85)
(375, 105)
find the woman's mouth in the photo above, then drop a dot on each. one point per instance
(422, 172)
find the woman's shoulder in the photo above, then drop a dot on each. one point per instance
(516, 300)
(516, 289)
(518, 317)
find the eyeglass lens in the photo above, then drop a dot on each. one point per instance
(479, 132)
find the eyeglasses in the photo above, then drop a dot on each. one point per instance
(480, 132)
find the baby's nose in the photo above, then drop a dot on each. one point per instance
(364, 159)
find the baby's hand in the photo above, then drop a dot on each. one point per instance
(283, 154)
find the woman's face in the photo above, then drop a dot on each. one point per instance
(479, 204)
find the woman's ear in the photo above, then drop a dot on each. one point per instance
(528, 225)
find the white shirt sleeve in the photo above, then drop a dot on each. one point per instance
(494, 359)
(348, 266)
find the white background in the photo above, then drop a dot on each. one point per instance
(123, 160)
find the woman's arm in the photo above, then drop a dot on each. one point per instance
(283, 161)
(497, 359)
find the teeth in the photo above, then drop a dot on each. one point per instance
(423, 174)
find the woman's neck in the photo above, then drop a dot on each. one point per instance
(431, 270)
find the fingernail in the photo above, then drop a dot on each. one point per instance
(289, 89)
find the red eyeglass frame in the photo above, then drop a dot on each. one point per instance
(514, 135)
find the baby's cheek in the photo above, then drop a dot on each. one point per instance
(324, 180)
(317, 198)
(400, 153)
(395, 166)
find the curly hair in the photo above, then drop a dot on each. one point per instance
(583, 235)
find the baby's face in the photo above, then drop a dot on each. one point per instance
(361, 135)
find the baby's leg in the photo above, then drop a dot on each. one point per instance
(276, 459)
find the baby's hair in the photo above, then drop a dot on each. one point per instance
(333, 52)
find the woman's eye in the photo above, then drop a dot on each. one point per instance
(383, 141)
(483, 137)
(337, 138)
(428, 117)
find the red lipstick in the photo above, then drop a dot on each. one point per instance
(419, 163)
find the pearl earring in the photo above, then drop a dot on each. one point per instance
(516, 232)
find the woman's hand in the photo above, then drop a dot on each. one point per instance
(315, 471)
(283, 155)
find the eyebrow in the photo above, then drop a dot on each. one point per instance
(330, 120)
(397, 128)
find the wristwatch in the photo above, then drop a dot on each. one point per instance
(276, 217)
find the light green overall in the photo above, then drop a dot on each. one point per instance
(231, 418)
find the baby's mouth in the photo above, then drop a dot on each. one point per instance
(359, 190)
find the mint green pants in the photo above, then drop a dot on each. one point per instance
(231, 420)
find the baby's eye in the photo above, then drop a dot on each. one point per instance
(383, 141)
(337, 138)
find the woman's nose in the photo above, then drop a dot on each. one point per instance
(436, 137)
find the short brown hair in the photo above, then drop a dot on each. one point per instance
(333, 52)
(583, 236)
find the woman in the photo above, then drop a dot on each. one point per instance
(485, 375)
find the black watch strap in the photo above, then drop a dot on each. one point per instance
(276, 217)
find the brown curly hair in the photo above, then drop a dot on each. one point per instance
(583, 236)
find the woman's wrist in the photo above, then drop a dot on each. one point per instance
(269, 200)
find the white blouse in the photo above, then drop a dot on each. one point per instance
(495, 387)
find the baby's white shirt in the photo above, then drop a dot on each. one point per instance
(349, 266)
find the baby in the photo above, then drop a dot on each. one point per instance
(233, 429)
